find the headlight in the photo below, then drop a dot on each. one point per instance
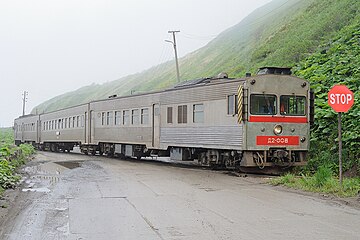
(278, 129)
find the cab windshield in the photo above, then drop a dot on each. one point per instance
(263, 104)
(292, 105)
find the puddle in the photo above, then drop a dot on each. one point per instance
(42, 190)
(70, 164)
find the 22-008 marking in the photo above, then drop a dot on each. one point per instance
(277, 141)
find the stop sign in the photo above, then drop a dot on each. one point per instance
(340, 98)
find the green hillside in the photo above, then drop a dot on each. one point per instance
(281, 33)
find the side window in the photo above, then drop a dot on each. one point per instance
(82, 120)
(169, 115)
(182, 114)
(77, 121)
(232, 104)
(103, 118)
(198, 113)
(135, 117)
(109, 118)
(66, 123)
(126, 117)
(145, 116)
(117, 117)
(73, 122)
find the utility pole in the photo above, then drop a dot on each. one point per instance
(176, 57)
(24, 101)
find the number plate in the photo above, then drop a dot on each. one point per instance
(277, 140)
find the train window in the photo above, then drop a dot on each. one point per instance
(109, 118)
(117, 117)
(232, 104)
(69, 122)
(169, 115)
(73, 122)
(198, 113)
(82, 120)
(263, 104)
(77, 121)
(66, 123)
(135, 117)
(103, 118)
(292, 105)
(182, 114)
(126, 117)
(145, 116)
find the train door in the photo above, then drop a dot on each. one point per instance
(38, 129)
(86, 125)
(22, 132)
(156, 126)
(92, 126)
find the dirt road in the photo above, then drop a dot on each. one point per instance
(73, 196)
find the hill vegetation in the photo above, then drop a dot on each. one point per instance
(336, 62)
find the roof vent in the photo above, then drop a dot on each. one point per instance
(222, 75)
(274, 70)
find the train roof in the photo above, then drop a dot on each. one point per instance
(202, 81)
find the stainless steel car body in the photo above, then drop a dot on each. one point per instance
(218, 121)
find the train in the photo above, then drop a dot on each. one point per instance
(260, 121)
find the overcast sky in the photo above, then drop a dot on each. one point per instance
(49, 47)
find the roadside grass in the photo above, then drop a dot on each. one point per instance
(323, 181)
(11, 157)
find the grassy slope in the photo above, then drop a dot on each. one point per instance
(280, 33)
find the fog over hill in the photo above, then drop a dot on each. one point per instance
(281, 33)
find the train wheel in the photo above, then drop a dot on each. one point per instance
(52, 147)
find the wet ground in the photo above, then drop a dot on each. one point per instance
(73, 196)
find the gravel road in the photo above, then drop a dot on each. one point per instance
(73, 196)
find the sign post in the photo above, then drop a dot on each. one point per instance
(341, 99)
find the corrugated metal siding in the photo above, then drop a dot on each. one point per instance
(124, 134)
(224, 137)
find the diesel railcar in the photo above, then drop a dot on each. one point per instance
(253, 122)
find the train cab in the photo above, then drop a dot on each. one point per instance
(277, 119)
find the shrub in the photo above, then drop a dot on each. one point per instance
(322, 176)
(8, 178)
